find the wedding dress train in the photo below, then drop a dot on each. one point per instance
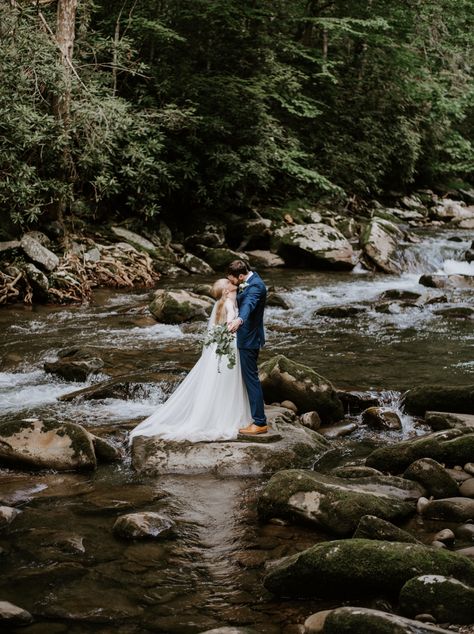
(210, 404)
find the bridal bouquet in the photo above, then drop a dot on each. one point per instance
(225, 346)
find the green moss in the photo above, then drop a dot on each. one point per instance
(441, 398)
(448, 600)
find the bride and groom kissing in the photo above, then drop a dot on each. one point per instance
(217, 401)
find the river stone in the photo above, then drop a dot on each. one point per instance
(354, 471)
(381, 418)
(469, 468)
(467, 488)
(46, 445)
(355, 402)
(449, 447)
(454, 509)
(446, 536)
(447, 209)
(447, 599)
(136, 240)
(277, 300)
(314, 624)
(456, 312)
(211, 234)
(75, 364)
(105, 450)
(372, 527)
(443, 398)
(337, 431)
(10, 613)
(340, 312)
(38, 280)
(465, 532)
(7, 515)
(143, 525)
(175, 307)
(230, 630)
(447, 281)
(315, 245)
(449, 420)
(283, 379)
(379, 241)
(39, 254)
(357, 620)
(357, 567)
(311, 420)
(219, 258)
(193, 264)
(433, 477)
(336, 504)
(298, 447)
(264, 259)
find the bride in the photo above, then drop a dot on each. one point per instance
(212, 402)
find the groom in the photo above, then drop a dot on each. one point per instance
(251, 298)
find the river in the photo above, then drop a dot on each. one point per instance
(61, 561)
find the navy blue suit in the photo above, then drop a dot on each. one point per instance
(250, 338)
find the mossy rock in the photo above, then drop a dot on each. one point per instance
(333, 504)
(195, 265)
(445, 598)
(283, 379)
(357, 567)
(46, 445)
(219, 258)
(176, 307)
(357, 620)
(442, 398)
(455, 509)
(372, 527)
(433, 477)
(379, 241)
(450, 446)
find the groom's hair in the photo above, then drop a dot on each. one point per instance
(238, 267)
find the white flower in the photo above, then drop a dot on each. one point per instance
(243, 286)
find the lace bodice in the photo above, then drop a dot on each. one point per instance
(229, 313)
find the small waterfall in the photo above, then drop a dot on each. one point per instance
(437, 254)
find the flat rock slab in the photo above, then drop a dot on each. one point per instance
(270, 436)
(289, 444)
(449, 420)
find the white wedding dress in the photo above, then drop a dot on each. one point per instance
(210, 404)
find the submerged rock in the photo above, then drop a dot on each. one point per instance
(340, 312)
(175, 307)
(372, 527)
(356, 567)
(447, 599)
(447, 281)
(46, 445)
(336, 504)
(75, 364)
(380, 241)
(7, 515)
(357, 620)
(143, 525)
(283, 379)
(381, 418)
(433, 477)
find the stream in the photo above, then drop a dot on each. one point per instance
(61, 560)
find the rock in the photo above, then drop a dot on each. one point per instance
(282, 378)
(355, 402)
(290, 405)
(230, 630)
(175, 307)
(12, 614)
(9, 245)
(469, 467)
(467, 488)
(316, 246)
(250, 232)
(354, 471)
(381, 418)
(212, 234)
(356, 567)
(337, 431)
(433, 477)
(380, 241)
(297, 447)
(75, 364)
(92, 255)
(450, 446)
(436, 544)
(465, 532)
(421, 504)
(105, 450)
(357, 620)
(448, 209)
(458, 475)
(143, 525)
(467, 552)
(46, 445)
(39, 254)
(311, 420)
(193, 264)
(372, 527)
(447, 281)
(38, 280)
(264, 259)
(139, 242)
(314, 624)
(219, 258)
(336, 504)
(400, 293)
(277, 300)
(456, 312)
(449, 420)
(447, 599)
(340, 312)
(443, 398)
(445, 536)
(7, 515)
(455, 509)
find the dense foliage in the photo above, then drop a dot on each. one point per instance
(221, 104)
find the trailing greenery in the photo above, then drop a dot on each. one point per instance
(178, 106)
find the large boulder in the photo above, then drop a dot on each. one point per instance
(39, 254)
(380, 242)
(315, 245)
(139, 242)
(372, 527)
(283, 379)
(445, 598)
(38, 280)
(46, 445)
(289, 444)
(356, 567)
(250, 232)
(195, 265)
(219, 258)
(357, 620)
(455, 509)
(443, 398)
(433, 477)
(334, 504)
(264, 259)
(451, 446)
(75, 364)
(176, 307)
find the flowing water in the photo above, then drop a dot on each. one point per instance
(61, 560)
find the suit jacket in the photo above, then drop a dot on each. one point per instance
(251, 303)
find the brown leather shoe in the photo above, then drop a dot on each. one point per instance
(253, 429)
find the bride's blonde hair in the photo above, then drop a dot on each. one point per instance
(217, 292)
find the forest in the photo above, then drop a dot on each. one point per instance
(169, 109)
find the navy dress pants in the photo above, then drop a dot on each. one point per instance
(248, 364)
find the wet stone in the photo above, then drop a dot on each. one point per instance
(12, 614)
(467, 488)
(7, 515)
(465, 532)
(143, 525)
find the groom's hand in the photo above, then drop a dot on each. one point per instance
(234, 325)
